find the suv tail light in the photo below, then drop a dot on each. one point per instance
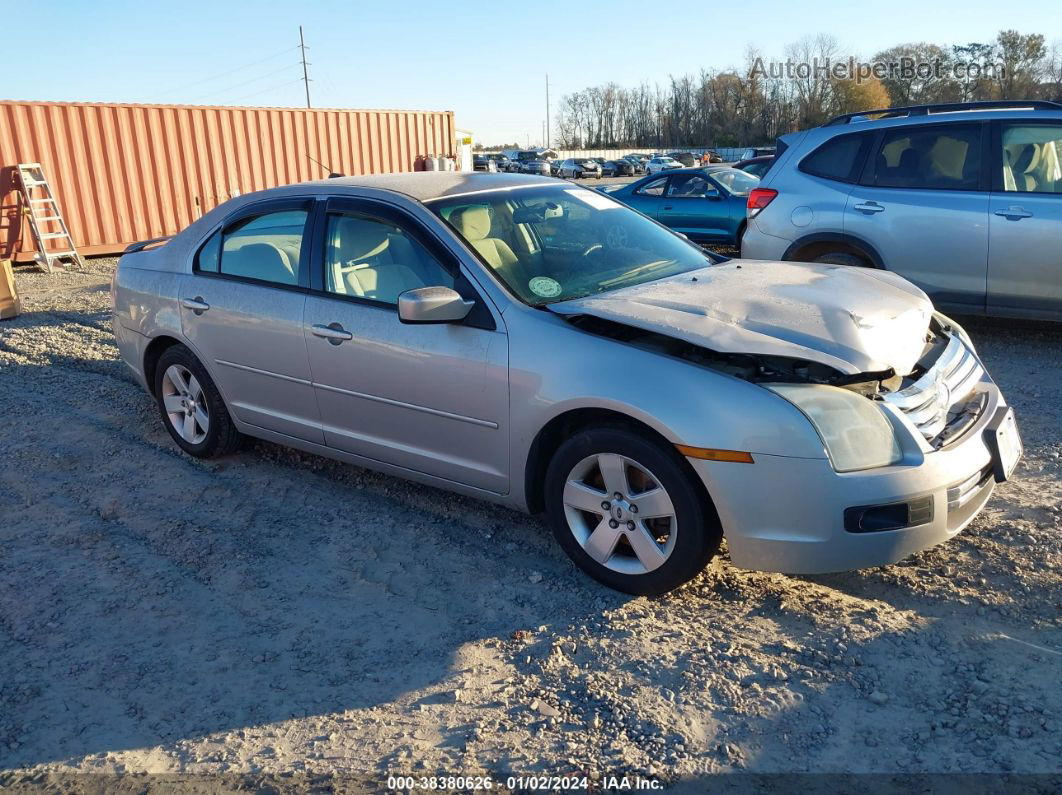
(758, 199)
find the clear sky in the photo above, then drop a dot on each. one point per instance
(485, 61)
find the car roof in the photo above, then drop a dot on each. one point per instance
(425, 185)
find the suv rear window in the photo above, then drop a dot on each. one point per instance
(838, 159)
(942, 157)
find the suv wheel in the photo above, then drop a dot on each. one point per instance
(843, 258)
(191, 406)
(627, 512)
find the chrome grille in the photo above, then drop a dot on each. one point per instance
(942, 390)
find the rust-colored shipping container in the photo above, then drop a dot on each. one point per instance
(128, 172)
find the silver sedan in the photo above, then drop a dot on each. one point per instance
(538, 344)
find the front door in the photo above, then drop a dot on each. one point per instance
(1025, 222)
(923, 206)
(429, 398)
(241, 310)
(696, 207)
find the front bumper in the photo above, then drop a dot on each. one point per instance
(787, 514)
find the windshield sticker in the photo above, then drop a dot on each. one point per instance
(545, 287)
(594, 198)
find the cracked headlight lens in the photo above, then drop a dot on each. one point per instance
(856, 433)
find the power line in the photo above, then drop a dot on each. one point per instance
(215, 92)
(270, 88)
(227, 72)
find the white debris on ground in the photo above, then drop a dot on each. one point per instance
(276, 612)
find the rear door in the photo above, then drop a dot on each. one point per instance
(241, 310)
(922, 204)
(1025, 222)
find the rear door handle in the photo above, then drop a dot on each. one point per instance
(1014, 213)
(333, 332)
(197, 304)
(668, 207)
(869, 207)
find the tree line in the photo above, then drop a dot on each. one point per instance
(768, 98)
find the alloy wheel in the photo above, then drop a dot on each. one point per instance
(620, 514)
(185, 404)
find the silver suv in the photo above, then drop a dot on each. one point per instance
(965, 200)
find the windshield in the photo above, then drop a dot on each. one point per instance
(736, 181)
(556, 243)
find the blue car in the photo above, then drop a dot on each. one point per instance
(705, 204)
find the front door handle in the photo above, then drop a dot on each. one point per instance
(197, 304)
(333, 332)
(668, 207)
(1014, 213)
(869, 207)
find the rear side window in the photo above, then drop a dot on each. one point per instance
(264, 247)
(838, 159)
(942, 157)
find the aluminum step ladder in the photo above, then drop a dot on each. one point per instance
(46, 221)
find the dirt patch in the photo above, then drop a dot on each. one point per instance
(276, 612)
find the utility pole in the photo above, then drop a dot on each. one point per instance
(305, 74)
(547, 110)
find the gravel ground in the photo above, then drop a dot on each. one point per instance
(275, 612)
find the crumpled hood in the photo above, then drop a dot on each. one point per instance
(853, 319)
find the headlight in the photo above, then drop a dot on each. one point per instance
(856, 433)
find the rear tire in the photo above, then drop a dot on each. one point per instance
(191, 406)
(843, 258)
(665, 532)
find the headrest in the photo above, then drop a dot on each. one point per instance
(358, 239)
(472, 222)
(1028, 159)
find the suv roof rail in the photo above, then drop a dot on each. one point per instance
(946, 107)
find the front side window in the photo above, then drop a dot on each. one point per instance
(738, 182)
(1032, 158)
(371, 258)
(689, 186)
(654, 187)
(942, 157)
(264, 247)
(557, 243)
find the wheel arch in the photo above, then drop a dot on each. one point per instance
(152, 353)
(566, 424)
(805, 249)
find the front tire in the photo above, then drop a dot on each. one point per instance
(628, 512)
(191, 406)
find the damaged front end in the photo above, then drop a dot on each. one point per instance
(938, 397)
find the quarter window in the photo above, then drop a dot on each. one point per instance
(837, 159)
(1031, 158)
(929, 158)
(372, 258)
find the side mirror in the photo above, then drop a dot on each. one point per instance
(433, 305)
(713, 194)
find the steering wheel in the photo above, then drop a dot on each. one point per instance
(591, 249)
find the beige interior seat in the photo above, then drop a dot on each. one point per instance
(259, 261)
(474, 225)
(363, 262)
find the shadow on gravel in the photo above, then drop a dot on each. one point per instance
(146, 597)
